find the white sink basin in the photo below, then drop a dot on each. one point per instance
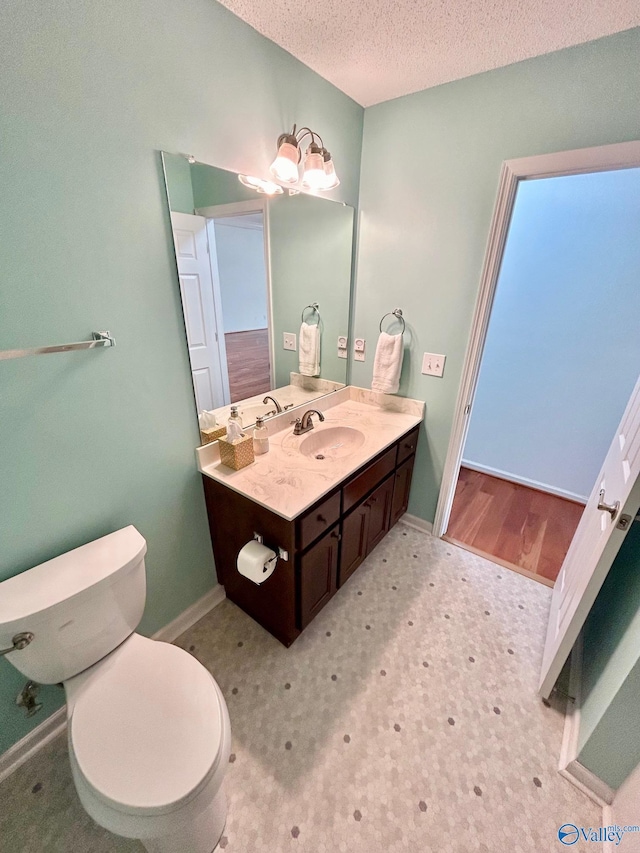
(257, 410)
(332, 442)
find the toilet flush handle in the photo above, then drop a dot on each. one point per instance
(20, 641)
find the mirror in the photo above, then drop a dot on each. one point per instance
(265, 283)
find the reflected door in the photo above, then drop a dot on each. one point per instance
(204, 339)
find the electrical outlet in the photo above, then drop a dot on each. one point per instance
(289, 340)
(433, 364)
(358, 349)
(343, 345)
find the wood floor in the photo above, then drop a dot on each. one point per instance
(519, 527)
(248, 363)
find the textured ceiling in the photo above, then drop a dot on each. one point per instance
(375, 50)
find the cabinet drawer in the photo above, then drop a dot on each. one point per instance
(368, 479)
(315, 522)
(407, 445)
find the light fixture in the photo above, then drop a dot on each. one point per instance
(318, 174)
(260, 185)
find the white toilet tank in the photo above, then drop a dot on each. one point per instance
(79, 606)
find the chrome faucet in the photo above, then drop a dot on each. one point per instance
(304, 424)
(275, 403)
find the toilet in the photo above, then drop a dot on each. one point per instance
(148, 728)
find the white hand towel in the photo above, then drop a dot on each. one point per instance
(387, 364)
(309, 349)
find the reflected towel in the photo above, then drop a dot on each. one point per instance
(387, 364)
(309, 349)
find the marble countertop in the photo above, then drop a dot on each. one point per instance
(286, 481)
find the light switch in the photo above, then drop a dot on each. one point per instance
(289, 340)
(358, 349)
(433, 364)
(343, 344)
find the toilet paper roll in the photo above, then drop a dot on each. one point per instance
(256, 561)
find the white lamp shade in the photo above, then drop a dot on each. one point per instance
(313, 177)
(260, 185)
(285, 166)
(330, 178)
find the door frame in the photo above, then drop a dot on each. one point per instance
(241, 208)
(604, 158)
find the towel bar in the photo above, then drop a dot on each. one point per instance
(99, 339)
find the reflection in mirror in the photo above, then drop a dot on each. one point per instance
(250, 268)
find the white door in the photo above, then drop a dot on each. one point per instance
(595, 544)
(200, 319)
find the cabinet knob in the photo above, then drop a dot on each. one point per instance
(322, 519)
(337, 536)
(408, 446)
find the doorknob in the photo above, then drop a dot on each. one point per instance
(612, 509)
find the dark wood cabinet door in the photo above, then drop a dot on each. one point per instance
(401, 488)
(355, 528)
(318, 576)
(379, 512)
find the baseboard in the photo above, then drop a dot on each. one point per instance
(55, 725)
(524, 481)
(569, 766)
(417, 523)
(191, 615)
(37, 738)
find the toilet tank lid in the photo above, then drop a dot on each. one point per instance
(47, 585)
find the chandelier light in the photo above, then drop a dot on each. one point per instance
(318, 174)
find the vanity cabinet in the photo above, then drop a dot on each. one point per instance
(325, 544)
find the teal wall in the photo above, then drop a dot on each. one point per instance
(216, 186)
(610, 711)
(94, 441)
(567, 293)
(430, 168)
(311, 253)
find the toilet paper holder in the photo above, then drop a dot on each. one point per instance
(282, 554)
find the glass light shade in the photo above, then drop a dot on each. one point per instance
(260, 185)
(285, 166)
(313, 177)
(330, 178)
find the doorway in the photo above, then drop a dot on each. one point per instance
(556, 358)
(237, 246)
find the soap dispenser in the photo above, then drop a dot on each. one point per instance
(234, 415)
(260, 437)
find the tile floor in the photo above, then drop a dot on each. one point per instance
(405, 718)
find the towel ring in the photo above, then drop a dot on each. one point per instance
(314, 307)
(397, 313)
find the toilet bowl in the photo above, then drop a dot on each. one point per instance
(148, 728)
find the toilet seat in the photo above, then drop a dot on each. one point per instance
(146, 729)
